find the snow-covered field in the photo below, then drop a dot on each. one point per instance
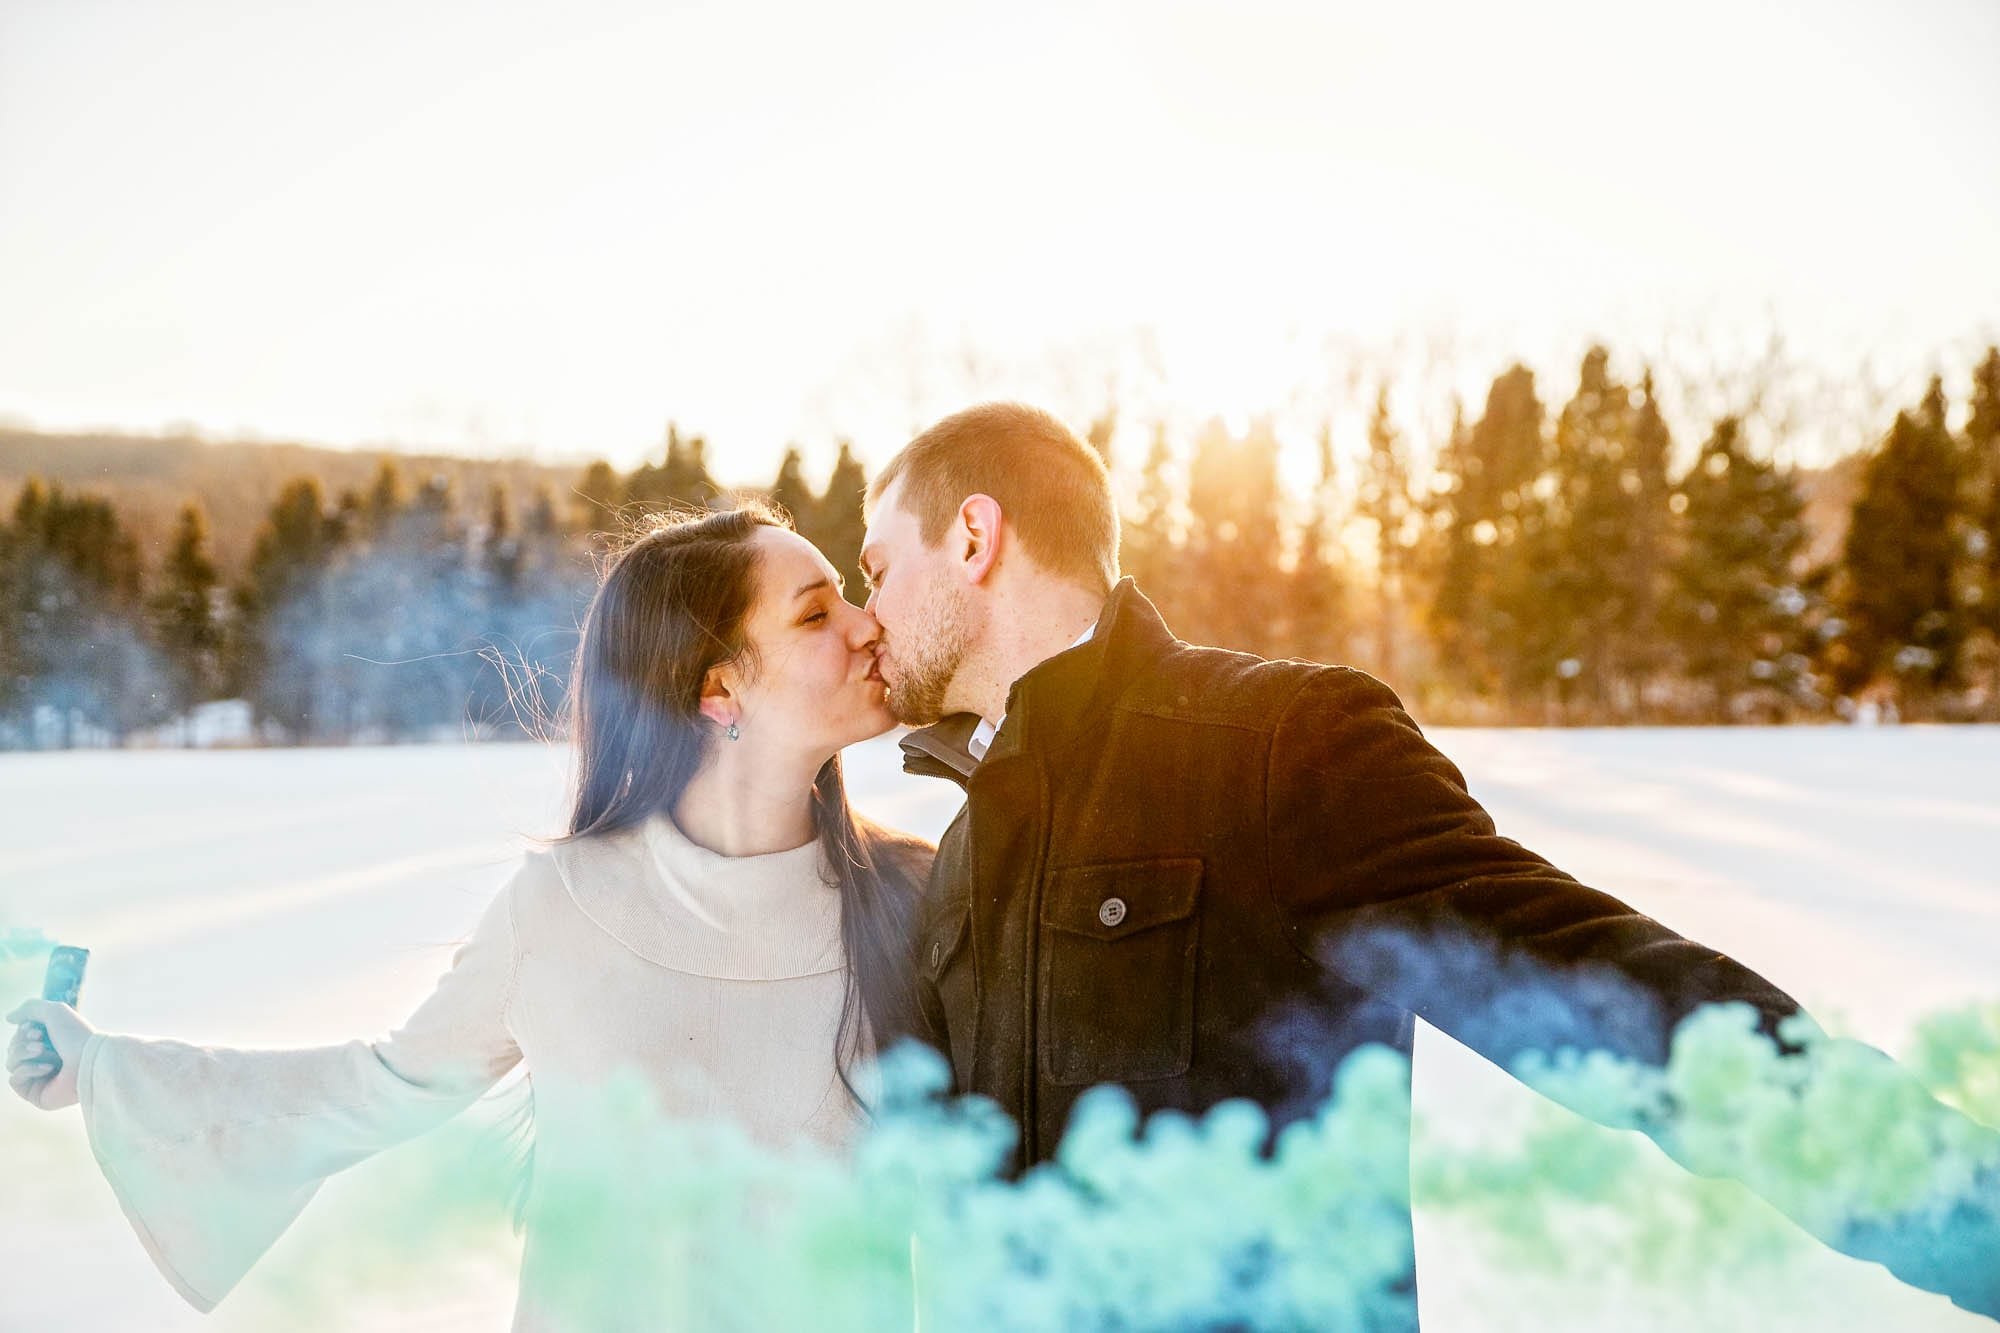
(304, 897)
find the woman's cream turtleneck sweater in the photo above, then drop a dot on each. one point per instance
(718, 979)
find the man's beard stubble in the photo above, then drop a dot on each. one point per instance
(927, 661)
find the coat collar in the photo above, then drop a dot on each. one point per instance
(940, 750)
(1050, 704)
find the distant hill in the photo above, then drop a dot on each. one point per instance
(150, 478)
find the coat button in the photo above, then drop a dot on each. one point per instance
(1111, 911)
(937, 953)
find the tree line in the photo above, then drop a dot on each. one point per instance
(400, 610)
(1540, 564)
(1558, 565)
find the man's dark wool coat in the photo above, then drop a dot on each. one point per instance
(1202, 875)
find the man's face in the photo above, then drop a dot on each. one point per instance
(924, 608)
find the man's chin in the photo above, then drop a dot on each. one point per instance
(906, 717)
(921, 716)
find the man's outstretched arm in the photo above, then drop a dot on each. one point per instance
(1391, 876)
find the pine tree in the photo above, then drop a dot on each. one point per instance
(434, 501)
(686, 475)
(500, 549)
(527, 633)
(1149, 539)
(1900, 557)
(1645, 554)
(1235, 537)
(680, 482)
(28, 506)
(1384, 502)
(841, 524)
(82, 649)
(278, 603)
(385, 499)
(1736, 606)
(542, 525)
(15, 667)
(646, 490)
(1488, 509)
(1437, 507)
(1318, 600)
(1982, 463)
(1460, 582)
(183, 612)
(350, 516)
(1585, 565)
(791, 493)
(85, 533)
(597, 499)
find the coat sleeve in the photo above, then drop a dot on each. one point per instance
(212, 1152)
(1389, 874)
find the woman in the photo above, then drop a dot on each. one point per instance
(717, 918)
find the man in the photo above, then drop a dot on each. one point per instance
(1191, 872)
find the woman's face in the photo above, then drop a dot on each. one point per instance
(815, 684)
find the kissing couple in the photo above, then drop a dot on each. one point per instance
(1189, 872)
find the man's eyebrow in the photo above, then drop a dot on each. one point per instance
(867, 560)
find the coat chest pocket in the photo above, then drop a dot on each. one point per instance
(1118, 971)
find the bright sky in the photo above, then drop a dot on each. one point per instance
(496, 226)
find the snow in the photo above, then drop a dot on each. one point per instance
(296, 897)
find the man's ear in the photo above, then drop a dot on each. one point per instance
(978, 534)
(720, 703)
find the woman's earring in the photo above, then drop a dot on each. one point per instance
(733, 733)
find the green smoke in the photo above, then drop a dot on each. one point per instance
(23, 945)
(1200, 1223)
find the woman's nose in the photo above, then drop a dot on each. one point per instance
(867, 629)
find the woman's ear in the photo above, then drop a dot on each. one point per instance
(720, 703)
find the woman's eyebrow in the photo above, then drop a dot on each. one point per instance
(811, 587)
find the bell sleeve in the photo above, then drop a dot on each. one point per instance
(212, 1152)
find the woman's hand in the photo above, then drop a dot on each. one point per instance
(42, 1059)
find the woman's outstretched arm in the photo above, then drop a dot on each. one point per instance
(213, 1151)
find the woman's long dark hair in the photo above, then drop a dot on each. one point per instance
(671, 603)
(670, 607)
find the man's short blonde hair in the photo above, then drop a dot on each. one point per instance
(1050, 485)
